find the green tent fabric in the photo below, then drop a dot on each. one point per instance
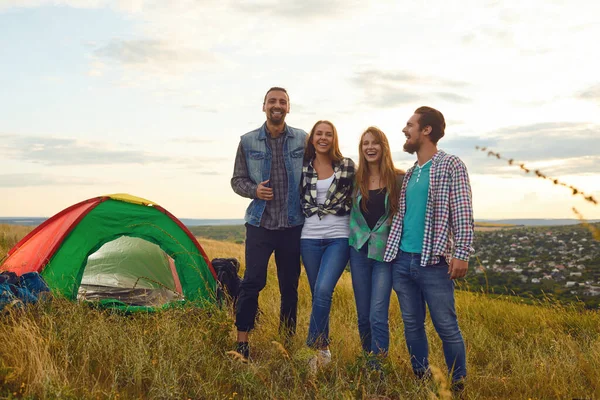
(129, 262)
(132, 270)
(112, 219)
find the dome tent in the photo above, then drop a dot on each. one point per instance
(129, 252)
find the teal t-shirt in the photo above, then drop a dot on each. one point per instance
(413, 226)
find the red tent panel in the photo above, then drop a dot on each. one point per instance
(34, 251)
(178, 287)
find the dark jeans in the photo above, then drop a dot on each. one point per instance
(260, 244)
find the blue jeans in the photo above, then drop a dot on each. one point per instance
(324, 261)
(431, 285)
(372, 284)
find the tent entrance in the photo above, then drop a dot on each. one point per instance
(132, 271)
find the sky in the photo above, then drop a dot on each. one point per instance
(151, 97)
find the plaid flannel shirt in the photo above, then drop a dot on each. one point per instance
(339, 195)
(449, 221)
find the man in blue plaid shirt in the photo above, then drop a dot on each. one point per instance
(430, 243)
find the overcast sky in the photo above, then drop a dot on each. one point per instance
(150, 97)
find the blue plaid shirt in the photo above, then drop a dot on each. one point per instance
(449, 221)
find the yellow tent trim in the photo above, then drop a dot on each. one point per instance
(131, 199)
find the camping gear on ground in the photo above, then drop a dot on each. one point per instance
(229, 282)
(21, 290)
(120, 250)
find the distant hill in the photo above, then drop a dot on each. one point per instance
(211, 222)
(537, 222)
(24, 221)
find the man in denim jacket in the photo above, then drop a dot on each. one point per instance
(268, 167)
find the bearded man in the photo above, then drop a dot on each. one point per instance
(268, 168)
(430, 243)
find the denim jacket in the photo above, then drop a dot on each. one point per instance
(258, 160)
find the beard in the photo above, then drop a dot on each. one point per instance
(274, 119)
(411, 148)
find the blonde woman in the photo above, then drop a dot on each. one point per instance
(375, 202)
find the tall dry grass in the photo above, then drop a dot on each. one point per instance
(60, 349)
(10, 235)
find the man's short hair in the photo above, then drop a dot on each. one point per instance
(431, 117)
(276, 88)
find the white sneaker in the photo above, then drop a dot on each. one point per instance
(319, 360)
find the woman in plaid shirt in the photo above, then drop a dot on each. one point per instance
(377, 181)
(327, 183)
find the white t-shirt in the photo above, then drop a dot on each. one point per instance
(330, 226)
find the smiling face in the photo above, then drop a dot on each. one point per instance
(276, 106)
(415, 135)
(323, 138)
(371, 148)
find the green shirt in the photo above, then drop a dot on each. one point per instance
(413, 229)
(361, 234)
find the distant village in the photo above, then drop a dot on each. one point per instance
(561, 260)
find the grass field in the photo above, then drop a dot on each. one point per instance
(10, 235)
(60, 349)
(229, 233)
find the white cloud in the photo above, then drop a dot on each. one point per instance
(52, 151)
(122, 5)
(192, 140)
(303, 10)
(592, 94)
(153, 54)
(96, 68)
(21, 180)
(390, 89)
(200, 108)
(61, 152)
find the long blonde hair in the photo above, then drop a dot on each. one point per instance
(387, 172)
